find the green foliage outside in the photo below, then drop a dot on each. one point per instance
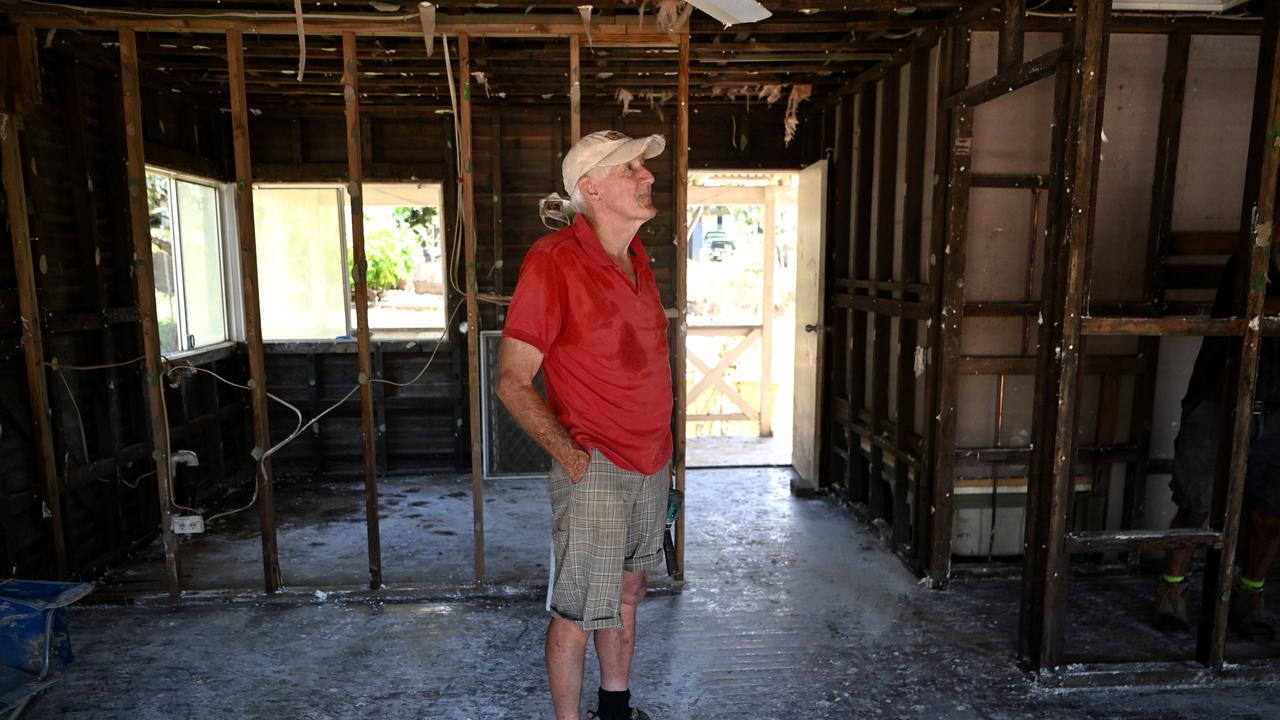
(390, 260)
(390, 249)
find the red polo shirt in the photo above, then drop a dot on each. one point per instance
(604, 345)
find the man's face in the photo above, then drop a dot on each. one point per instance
(627, 190)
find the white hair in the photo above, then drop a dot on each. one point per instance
(577, 203)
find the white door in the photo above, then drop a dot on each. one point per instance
(810, 232)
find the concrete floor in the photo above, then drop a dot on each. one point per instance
(739, 450)
(791, 610)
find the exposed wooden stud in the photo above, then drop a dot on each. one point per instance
(32, 339)
(360, 285)
(1233, 443)
(839, 442)
(468, 212)
(1159, 232)
(946, 82)
(1013, 14)
(948, 352)
(1049, 324)
(947, 263)
(252, 308)
(908, 331)
(860, 262)
(144, 279)
(680, 194)
(1062, 355)
(575, 90)
(878, 502)
(766, 316)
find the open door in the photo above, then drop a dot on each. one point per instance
(810, 233)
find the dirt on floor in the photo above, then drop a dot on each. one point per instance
(792, 609)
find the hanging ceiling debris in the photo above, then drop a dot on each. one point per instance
(824, 49)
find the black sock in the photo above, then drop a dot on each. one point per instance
(614, 705)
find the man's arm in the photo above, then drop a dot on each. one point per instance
(518, 362)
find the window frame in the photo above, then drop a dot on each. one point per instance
(230, 280)
(438, 332)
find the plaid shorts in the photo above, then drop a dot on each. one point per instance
(611, 521)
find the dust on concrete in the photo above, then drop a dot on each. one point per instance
(792, 610)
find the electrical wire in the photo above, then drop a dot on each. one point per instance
(168, 454)
(436, 349)
(57, 365)
(84, 441)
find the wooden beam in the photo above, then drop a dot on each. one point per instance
(1144, 326)
(952, 74)
(1013, 14)
(680, 194)
(908, 332)
(360, 284)
(468, 213)
(32, 337)
(575, 90)
(145, 282)
(1061, 357)
(606, 32)
(1136, 540)
(887, 197)
(1159, 233)
(766, 315)
(1049, 329)
(252, 310)
(948, 352)
(1010, 80)
(927, 38)
(1259, 216)
(860, 263)
(1092, 365)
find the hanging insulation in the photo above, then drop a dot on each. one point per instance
(799, 93)
(427, 13)
(302, 39)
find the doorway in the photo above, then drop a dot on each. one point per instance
(741, 313)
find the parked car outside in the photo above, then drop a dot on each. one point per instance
(718, 245)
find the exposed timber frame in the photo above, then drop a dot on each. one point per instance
(144, 276)
(360, 282)
(608, 33)
(252, 310)
(32, 337)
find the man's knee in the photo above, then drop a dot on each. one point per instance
(1265, 522)
(634, 585)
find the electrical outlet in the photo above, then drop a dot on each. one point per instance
(188, 524)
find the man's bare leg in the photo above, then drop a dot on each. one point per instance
(615, 646)
(1177, 560)
(1261, 545)
(566, 649)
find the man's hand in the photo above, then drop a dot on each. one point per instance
(577, 466)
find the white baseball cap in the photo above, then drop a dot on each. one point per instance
(606, 148)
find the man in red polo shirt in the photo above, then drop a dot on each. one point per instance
(586, 310)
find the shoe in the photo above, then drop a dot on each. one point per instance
(1248, 616)
(635, 715)
(1171, 606)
